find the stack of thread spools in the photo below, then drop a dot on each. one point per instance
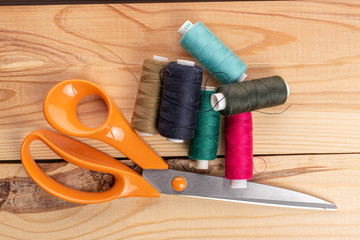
(172, 102)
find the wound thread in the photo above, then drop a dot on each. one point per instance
(213, 54)
(147, 103)
(239, 147)
(180, 101)
(204, 145)
(255, 94)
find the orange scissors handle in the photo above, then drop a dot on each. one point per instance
(127, 183)
(60, 108)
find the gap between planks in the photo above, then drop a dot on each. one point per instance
(186, 158)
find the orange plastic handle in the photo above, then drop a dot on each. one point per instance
(60, 107)
(127, 182)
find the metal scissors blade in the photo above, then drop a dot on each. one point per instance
(211, 187)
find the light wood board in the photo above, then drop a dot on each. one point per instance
(332, 177)
(313, 45)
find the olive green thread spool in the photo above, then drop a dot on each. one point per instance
(146, 109)
(250, 95)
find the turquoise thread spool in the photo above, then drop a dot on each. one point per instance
(203, 147)
(210, 52)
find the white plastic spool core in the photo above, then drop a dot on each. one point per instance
(145, 134)
(208, 88)
(242, 77)
(185, 62)
(201, 164)
(185, 27)
(159, 58)
(287, 88)
(218, 98)
(238, 183)
(175, 140)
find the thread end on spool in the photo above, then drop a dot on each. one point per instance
(159, 58)
(238, 183)
(218, 101)
(201, 164)
(242, 77)
(175, 140)
(185, 27)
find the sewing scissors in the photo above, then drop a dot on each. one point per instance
(60, 107)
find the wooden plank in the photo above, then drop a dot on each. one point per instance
(20, 194)
(49, 2)
(311, 44)
(331, 177)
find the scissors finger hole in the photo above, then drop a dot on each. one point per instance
(40, 151)
(67, 173)
(92, 111)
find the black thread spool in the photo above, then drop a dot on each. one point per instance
(179, 102)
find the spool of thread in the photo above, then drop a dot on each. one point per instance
(210, 52)
(251, 95)
(180, 101)
(239, 149)
(203, 147)
(146, 109)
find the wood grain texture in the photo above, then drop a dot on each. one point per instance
(49, 2)
(313, 45)
(332, 177)
(23, 195)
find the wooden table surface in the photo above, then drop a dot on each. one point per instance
(313, 147)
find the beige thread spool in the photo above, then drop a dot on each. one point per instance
(146, 108)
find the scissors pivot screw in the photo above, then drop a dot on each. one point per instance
(178, 184)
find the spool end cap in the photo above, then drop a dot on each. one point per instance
(238, 183)
(208, 88)
(185, 62)
(218, 101)
(184, 28)
(202, 164)
(242, 77)
(160, 58)
(175, 140)
(145, 134)
(287, 88)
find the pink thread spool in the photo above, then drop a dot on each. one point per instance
(239, 149)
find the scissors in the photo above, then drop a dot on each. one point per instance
(60, 107)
